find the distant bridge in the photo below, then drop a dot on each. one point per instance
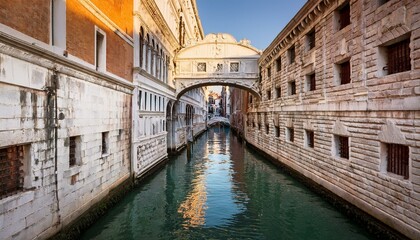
(221, 120)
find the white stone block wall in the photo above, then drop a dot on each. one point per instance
(372, 110)
(89, 104)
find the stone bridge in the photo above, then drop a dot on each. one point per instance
(221, 120)
(217, 60)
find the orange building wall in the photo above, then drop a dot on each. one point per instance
(31, 17)
(81, 40)
(119, 11)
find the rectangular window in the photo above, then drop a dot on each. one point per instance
(278, 64)
(100, 52)
(268, 94)
(292, 88)
(140, 93)
(201, 67)
(291, 134)
(397, 159)
(234, 67)
(342, 146)
(277, 129)
(399, 57)
(11, 170)
(310, 40)
(292, 54)
(259, 126)
(310, 139)
(269, 72)
(105, 142)
(310, 82)
(267, 129)
(344, 16)
(219, 67)
(278, 92)
(72, 151)
(344, 72)
(150, 102)
(155, 103)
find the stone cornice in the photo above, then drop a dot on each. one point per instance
(58, 59)
(295, 27)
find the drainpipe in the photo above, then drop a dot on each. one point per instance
(52, 92)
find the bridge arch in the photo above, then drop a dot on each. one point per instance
(217, 60)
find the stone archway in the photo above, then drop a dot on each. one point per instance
(217, 60)
(170, 126)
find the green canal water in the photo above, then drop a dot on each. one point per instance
(222, 190)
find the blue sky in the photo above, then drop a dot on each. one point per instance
(257, 20)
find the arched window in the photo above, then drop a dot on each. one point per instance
(152, 65)
(141, 47)
(147, 52)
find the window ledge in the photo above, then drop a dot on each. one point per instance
(16, 200)
(72, 171)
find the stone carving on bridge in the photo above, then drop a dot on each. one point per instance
(217, 60)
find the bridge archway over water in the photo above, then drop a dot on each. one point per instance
(217, 60)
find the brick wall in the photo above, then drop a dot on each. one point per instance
(31, 17)
(81, 40)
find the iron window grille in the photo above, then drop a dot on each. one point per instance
(278, 64)
(310, 138)
(345, 73)
(104, 143)
(268, 94)
(312, 82)
(277, 131)
(292, 54)
(311, 39)
(72, 151)
(291, 134)
(399, 57)
(234, 67)
(292, 88)
(201, 67)
(278, 92)
(11, 172)
(397, 159)
(344, 16)
(343, 147)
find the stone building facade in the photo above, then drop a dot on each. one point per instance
(341, 104)
(160, 120)
(65, 110)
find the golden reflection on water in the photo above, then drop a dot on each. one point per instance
(193, 208)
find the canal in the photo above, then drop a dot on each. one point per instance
(223, 190)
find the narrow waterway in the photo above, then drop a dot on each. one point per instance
(222, 190)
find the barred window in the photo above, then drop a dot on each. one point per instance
(278, 64)
(397, 159)
(201, 67)
(310, 138)
(292, 88)
(234, 67)
(105, 142)
(72, 151)
(268, 94)
(344, 72)
(292, 54)
(310, 39)
(11, 170)
(310, 82)
(277, 129)
(291, 134)
(278, 92)
(399, 57)
(342, 144)
(344, 16)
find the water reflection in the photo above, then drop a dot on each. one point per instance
(221, 190)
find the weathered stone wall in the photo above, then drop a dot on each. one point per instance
(150, 151)
(373, 110)
(27, 118)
